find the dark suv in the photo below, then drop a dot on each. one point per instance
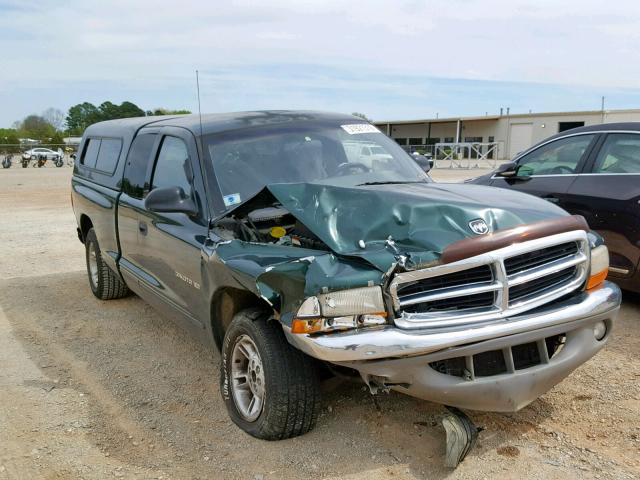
(272, 236)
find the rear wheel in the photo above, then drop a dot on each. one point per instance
(104, 282)
(270, 389)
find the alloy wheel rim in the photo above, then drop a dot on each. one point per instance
(93, 264)
(247, 378)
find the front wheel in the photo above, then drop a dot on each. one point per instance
(59, 163)
(104, 282)
(270, 389)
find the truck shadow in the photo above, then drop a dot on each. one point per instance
(154, 399)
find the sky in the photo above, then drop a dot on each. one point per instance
(387, 59)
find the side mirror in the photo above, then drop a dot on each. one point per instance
(507, 170)
(170, 200)
(424, 162)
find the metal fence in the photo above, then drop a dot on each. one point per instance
(459, 155)
(36, 155)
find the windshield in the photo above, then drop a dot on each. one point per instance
(343, 155)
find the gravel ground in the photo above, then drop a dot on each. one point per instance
(94, 390)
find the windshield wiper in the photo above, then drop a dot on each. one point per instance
(390, 182)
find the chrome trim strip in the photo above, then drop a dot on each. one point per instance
(390, 342)
(444, 293)
(495, 177)
(546, 269)
(605, 174)
(621, 271)
(502, 308)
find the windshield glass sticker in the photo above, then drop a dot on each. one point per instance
(359, 128)
(232, 199)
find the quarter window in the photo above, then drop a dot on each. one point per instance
(619, 154)
(172, 167)
(90, 153)
(560, 157)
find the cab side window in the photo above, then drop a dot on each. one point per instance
(560, 157)
(172, 166)
(619, 154)
(137, 165)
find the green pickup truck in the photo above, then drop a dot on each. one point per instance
(268, 235)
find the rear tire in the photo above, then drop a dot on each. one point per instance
(104, 282)
(284, 378)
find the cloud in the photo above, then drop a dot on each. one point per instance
(153, 47)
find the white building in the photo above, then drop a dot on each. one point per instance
(512, 133)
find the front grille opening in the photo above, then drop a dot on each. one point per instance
(529, 260)
(539, 285)
(451, 366)
(481, 274)
(479, 300)
(487, 364)
(525, 355)
(555, 344)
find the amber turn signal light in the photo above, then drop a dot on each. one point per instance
(597, 279)
(309, 325)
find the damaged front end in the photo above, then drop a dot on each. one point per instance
(399, 284)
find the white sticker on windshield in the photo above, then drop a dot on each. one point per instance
(232, 199)
(359, 128)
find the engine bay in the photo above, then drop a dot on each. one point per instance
(273, 224)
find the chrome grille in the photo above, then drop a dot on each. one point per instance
(536, 258)
(492, 286)
(414, 299)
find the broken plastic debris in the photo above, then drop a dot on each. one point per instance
(461, 436)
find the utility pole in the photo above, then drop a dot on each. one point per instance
(602, 111)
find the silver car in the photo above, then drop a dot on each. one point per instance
(45, 153)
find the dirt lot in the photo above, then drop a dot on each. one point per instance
(94, 390)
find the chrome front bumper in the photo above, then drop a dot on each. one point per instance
(400, 358)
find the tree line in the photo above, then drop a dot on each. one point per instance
(52, 125)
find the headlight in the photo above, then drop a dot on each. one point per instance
(341, 310)
(599, 266)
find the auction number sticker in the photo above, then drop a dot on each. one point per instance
(356, 128)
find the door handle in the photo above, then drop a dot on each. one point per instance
(552, 199)
(142, 226)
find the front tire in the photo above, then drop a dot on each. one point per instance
(270, 389)
(104, 282)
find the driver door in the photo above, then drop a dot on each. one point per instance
(549, 170)
(170, 244)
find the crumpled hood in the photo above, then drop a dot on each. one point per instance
(421, 219)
